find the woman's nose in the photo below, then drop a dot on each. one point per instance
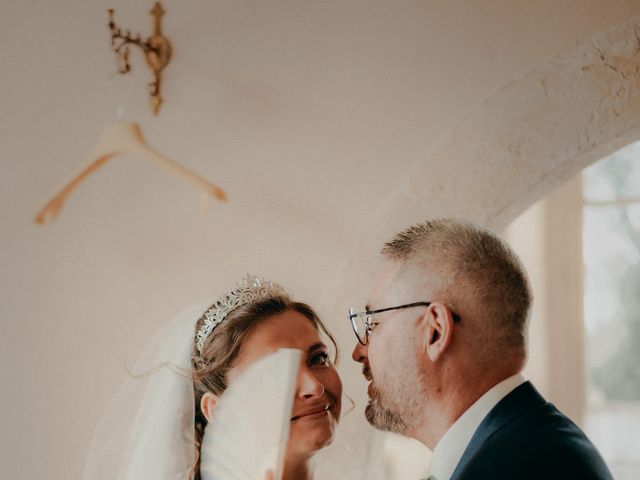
(308, 384)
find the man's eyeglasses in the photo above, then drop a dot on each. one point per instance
(363, 326)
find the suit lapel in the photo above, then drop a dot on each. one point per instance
(521, 400)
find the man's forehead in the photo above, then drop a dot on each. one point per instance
(400, 281)
(386, 283)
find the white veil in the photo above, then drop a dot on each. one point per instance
(147, 431)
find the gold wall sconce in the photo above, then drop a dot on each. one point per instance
(156, 49)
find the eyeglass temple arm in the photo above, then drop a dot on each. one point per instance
(408, 305)
(455, 316)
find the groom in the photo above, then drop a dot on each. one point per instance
(443, 343)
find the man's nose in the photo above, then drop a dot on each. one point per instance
(359, 353)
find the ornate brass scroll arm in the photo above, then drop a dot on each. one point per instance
(156, 49)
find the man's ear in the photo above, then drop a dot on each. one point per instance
(208, 404)
(439, 330)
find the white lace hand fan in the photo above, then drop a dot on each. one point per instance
(250, 427)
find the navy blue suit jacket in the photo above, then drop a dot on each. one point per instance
(525, 437)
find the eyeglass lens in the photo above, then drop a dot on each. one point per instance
(360, 326)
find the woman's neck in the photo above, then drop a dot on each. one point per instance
(297, 469)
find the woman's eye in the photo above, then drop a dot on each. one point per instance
(320, 358)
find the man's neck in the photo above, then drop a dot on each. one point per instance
(444, 409)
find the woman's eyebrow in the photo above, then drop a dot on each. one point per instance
(316, 346)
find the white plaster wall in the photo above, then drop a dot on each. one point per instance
(310, 114)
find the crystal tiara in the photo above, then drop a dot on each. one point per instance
(246, 291)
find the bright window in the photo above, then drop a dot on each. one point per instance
(611, 250)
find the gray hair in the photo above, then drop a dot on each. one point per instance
(474, 271)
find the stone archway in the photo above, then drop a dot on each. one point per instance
(529, 137)
(518, 144)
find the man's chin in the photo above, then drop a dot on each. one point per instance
(383, 418)
(372, 416)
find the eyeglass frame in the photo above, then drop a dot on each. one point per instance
(369, 325)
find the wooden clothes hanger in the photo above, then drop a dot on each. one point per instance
(118, 139)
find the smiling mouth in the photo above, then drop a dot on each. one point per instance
(319, 412)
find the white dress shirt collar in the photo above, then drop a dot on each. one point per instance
(453, 443)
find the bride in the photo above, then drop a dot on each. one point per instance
(154, 428)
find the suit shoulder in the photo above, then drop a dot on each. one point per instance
(548, 443)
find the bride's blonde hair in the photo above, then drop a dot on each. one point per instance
(222, 346)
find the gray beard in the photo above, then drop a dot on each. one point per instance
(383, 417)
